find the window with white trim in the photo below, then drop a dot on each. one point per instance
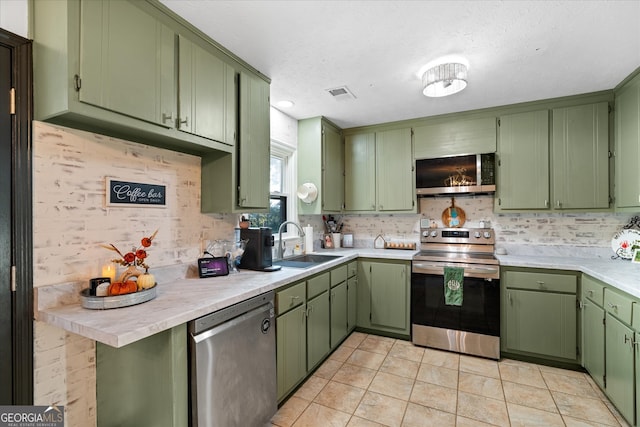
(282, 203)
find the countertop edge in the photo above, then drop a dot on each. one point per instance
(106, 326)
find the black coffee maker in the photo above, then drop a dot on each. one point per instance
(258, 254)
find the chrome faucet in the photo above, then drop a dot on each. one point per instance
(280, 243)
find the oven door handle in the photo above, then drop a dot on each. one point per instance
(426, 268)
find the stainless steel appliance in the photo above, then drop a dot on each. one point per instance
(474, 326)
(232, 365)
(258, 254)
(459, 174)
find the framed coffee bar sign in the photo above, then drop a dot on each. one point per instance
(127, 193)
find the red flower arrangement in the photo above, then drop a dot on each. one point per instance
(137, 256)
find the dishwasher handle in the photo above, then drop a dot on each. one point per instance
(266, 311)
(211, 320)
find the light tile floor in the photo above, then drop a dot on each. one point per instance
(378, 381)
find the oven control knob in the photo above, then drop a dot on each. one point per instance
(487, 235)
(434, 233)
(477, 235)
(425, 234)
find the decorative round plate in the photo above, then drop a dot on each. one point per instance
(623, 242)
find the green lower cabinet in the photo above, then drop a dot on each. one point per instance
(383, 296)
(541, 323)
(339, 313)
(352, 302)
(318, 328)
(144, 383)
(593, 349)
(620, 366)
(291, 353)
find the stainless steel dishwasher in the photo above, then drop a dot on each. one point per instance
(233, 365)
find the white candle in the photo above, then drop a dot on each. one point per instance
(109, 271)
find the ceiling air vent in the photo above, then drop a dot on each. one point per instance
(341, 93)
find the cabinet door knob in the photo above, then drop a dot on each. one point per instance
(590, 292)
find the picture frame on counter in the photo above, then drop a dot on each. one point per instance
(636, 256)
(124, 193)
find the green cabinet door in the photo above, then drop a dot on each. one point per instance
(254, 143)
(395, 186)
(620, 366)
(352, 302)
(207, 94)
(455, 138)
(152, 374)
(593, 350)
(523, 161)
(332, 169)
(360, 172)
(541, 323)
(580, 156)
(383, 296)
(339, 313)
(318, 329)
(291, 349)
(127, 61)
(627, 143)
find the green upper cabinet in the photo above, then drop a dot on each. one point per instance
(455, 137)
(395, 183)
(379, 172)
(255, 143)
(554, 165)
(321, 162)
(332, 169)
(523, 161)
(134, 70)
(580, 156)
(627, 144)
(132, 78)
(239, 182)
(360, 172)
(207, 94)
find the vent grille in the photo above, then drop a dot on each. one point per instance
(341, 93)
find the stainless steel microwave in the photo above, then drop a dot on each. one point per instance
(473, 173)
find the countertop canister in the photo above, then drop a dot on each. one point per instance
(308, 239)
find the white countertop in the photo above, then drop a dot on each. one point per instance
(179, 300)
(183, 299)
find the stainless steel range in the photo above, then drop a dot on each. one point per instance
(473, 326)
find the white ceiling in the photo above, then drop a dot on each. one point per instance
(517, 50)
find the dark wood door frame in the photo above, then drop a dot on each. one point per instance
(22, 213)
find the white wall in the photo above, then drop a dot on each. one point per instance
(14, 16)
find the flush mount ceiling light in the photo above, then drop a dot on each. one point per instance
(285, 104)
(444, 79)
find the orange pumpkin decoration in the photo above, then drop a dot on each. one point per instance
(121, 288)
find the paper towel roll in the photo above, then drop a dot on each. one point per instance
(308, 239)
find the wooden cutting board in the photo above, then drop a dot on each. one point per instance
(453, 216)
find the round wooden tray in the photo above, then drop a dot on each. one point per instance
(116, 301)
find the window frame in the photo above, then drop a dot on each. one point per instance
(288, 155)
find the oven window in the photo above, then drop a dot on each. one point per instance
(479, 313)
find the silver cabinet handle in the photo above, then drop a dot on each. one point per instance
(295, 297)
(509, 296)
(184, 122)
(546, 203)
(613, 306)
(166, 117)
(590, 292)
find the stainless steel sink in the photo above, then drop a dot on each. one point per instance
(305, 261)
